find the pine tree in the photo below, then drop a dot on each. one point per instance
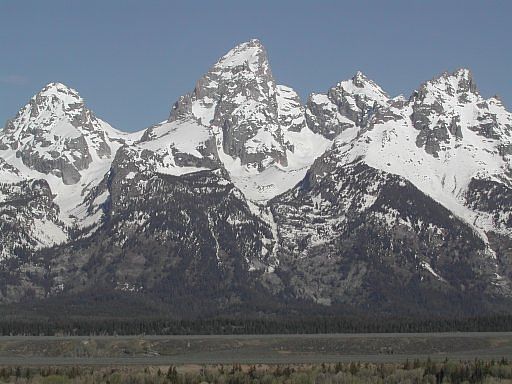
(172, 375)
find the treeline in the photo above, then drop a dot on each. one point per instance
(426, 372)
(123, 326)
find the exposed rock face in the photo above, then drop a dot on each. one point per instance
(244, 197)
(29, 219)
(455, 121)
(443, 106)
(173, 236)
(238, 97)
(349, 104)
(345, 239)
(56, 134)
(290, 110)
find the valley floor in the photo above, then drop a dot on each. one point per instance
(252, 349)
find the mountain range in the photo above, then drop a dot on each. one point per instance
(247, 201)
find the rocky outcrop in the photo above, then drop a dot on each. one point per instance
(29, 219)
(348, 104)
(345, 239)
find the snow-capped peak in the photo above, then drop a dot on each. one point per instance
(348, 104)
(55, 137)
(359, 76)
(61, 92)
(238, 118)
(445, 140)
(463, 73)
(251, 55)
(237, 100)
(361, 86)
(360, 80)
(245, 63)
(449, 105)
(52, 102)
(458, 85)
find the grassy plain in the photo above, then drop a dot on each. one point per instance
(252, 349)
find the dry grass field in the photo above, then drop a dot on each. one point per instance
(252, 349)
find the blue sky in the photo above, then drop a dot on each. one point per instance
(131, 60)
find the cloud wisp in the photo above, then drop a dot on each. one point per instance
(13, 79)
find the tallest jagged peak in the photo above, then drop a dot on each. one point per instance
(250, 44)
(239, 95)
(250, 55)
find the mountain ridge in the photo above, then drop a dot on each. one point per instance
(245, 192)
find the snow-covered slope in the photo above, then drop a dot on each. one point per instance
(412, 200)
(180, 147)
(55, 138)
(444, 137)
(237, 118)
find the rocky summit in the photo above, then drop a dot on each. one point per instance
(246, 201)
